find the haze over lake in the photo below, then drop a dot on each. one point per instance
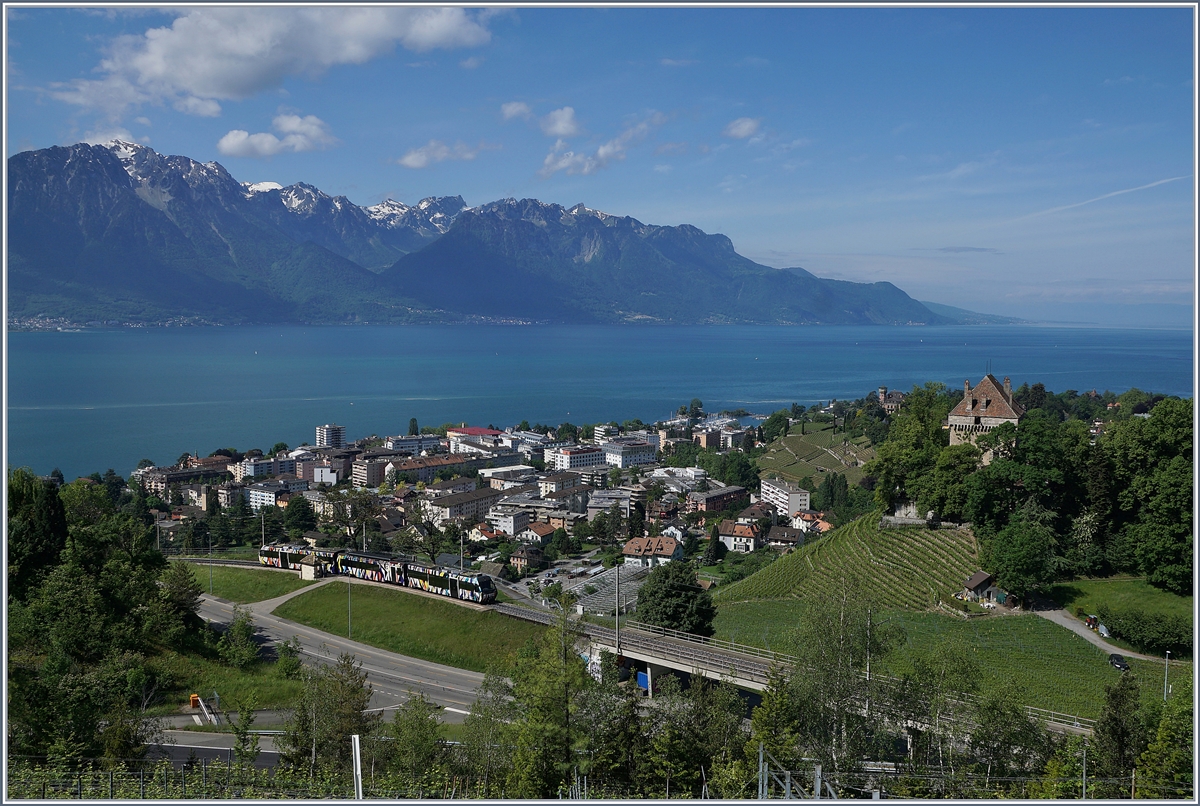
(96, 399)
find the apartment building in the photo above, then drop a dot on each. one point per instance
(786, 497)
(576, 457)
(331, 436)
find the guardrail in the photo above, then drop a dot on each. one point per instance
(636, 635)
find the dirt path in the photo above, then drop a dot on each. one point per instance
(1061, 617)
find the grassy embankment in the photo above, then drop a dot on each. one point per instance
(795, 456)
(245, 585)
(906, 570)
(413, 625)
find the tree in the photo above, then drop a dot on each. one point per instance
(833, 643)
(37, 530)
(672, 598)
(416, 742)
(1022, 550)
(547, 679)
(775, 426)
(144, 463)
(696, 408)
(412, 427)
(714, 550)
(1119, 735)
(181, 595)
(915, 439)
(331, 707)
(1165, 769)
(237, 646)
(287, 663)
(299, 516)
(1006, 741)
(245, 747)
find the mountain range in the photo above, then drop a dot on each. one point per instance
(120, 232)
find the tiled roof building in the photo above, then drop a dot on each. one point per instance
(983, 408)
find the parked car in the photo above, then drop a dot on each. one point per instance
(1118, 662)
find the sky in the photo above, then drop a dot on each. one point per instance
(1029, 162)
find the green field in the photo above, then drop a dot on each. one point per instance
(244, 585)
(1122, 593)
(794, 456)
(413, 625)
(1052, 668)
(181, 675)
(909, 567)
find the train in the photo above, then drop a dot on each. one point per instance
(393, 569)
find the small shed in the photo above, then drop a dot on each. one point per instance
(981, 587)
(309, 568)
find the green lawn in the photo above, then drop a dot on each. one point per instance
(1120, 594)
(413, 625)
(244, 585)
(181, 675)
(1052, 667)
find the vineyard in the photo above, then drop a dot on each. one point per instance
(908, 568)
(820, 450)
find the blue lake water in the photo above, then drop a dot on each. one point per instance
(96, 399)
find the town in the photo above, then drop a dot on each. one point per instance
(517, 498)
(823, 601)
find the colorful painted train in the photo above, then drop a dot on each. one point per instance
(394, 569)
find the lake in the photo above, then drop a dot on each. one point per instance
(96, 399)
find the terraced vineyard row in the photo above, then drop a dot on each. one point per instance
(910, 568)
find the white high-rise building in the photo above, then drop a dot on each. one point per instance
(331, 436)
(787, 498)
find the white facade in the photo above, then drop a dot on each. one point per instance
(417, 444)
(629, 453)
(509, 520)
(331, 436)
(325, 475)
(575, 458)
(787, 498)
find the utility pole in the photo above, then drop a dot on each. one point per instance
(617, 603)
(460, 550)
(1166, 666)
(262, 514)
(348, 586)
(1084, 796)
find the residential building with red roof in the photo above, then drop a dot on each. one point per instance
(652, 551)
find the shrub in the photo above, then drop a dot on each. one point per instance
(1151, 633)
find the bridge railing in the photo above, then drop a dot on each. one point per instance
(712, 643)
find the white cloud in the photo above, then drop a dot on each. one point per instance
(515, 109)
(306, 133)
(678, 62)
(559, 159)
(142, 120)
(98, 137)
(561, 123)
(437, 151)
(662, 169)
(471, 63)
(742, 128)
(208, 55)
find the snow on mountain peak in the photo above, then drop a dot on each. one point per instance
(260, 187)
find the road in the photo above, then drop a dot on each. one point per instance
(391, 676)
(1062, 618)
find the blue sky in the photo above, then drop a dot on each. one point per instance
(1032, 162)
